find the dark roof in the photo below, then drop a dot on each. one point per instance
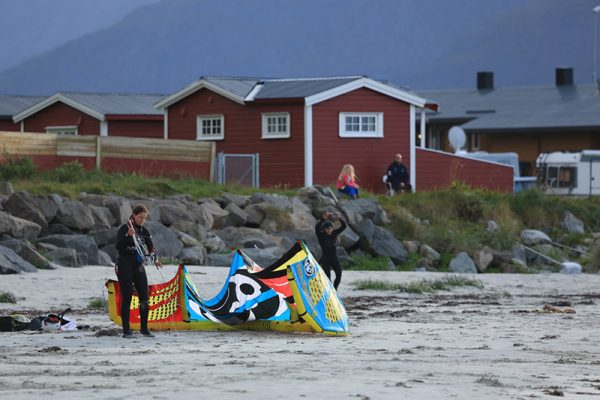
(518, 108)
(11, 105)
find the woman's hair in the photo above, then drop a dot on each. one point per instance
(139, 209)
(347, 169)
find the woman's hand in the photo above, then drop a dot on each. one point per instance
(130, 230)
(158, 264)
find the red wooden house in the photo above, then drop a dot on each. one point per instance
(11, 105)
(305, 130)
(97, 114)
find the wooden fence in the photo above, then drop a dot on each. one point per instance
(113, 154)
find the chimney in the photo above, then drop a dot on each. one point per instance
(485, 80)
(564, 76)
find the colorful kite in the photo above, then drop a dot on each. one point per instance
(291, 295)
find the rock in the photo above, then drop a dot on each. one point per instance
(531, 237)
(276, 200)
(380, 242)
(301, 216)
(572, 224)
(570, 267)
(105, 259)
(462, 263)
(49, 205)
(60, 256)
(170, 214)
(76, 216)
(100, 214)
(316, 200)
(429, 253)
(85, 246)
(256, 213)
(187, 240)
(491, 225)
(218, 215)
(6, 188)
(519, 253)
(483, 258)
(348, 238)
(250, 238)
(239, 200)
(265, 256)
(18, 228)
(364, 208)
(165, 240)
(23, 205)
(214, 244)
(27, 252)
(195, 255)
(120, 208)
(237, 216)
(411, 246)
(219, 259)
(11, 263)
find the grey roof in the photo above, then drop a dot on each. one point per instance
(519, 108)
(120, 104)
(299, 88)
(272, 88)
(241, 87)
(11, 105)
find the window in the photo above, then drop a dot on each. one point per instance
(561, 177)
(361, 125)
(275, 125)
(210, 127)
(62, 130)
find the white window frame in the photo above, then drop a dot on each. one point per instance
(63, 130)
(199, 127)
(279, 134)
(361, 133)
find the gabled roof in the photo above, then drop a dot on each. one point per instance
(519, 108)
(11, 105)
(98, 105)
(312, 90)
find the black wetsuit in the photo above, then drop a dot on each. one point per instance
(131, 272)
(329, 258)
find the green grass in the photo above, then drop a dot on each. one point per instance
(98, 303)
(369, 263)
(422, 286)
(7, 297)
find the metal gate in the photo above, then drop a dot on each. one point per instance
(238, 169)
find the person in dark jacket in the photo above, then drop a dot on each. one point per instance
(327, 237)
(130, 267)
(397, 176)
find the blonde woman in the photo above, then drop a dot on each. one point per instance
(346, 182)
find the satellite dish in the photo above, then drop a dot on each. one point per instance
(457, 138)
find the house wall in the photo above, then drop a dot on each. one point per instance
(529, 146)
(369, 156)
(438, 170)
(9, 125)
(60, 114)
(152, 128)
(281, 161)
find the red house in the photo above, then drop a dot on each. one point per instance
(95, 114)
(12, 105)
(304, 130)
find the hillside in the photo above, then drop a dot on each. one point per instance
(165, 46)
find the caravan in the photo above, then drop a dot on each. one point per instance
(512, 159)
(563, 173)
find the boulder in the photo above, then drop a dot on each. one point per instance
(164, 239)
(76, 216)
(49, 205)
(237, 216)
(239, 200)
(11, 263)
(572, 224)
(23, 205)
(18, 228)
(219, 259)
(360, 209)
(100, 214)
(219, 215)
(214, 244)
(120, 208)
(195, 255)
(276, 200)
(462, 263)
(85, 246)
(169, 214)
(59, 255)
(380, 242)
(251, 238)
(531, 237)
(316, 200)
(483, 258)
(301, 216)
(191, 228)
(256, 213)
(429, 253)
(27, 252)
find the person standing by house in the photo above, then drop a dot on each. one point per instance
(397, 176)
(327, 237)
(346, 182)
(130, 267)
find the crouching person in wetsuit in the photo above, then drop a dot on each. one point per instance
(327, 237)
(130, 267)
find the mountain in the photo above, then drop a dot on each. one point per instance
(424, 44)
(33, 27)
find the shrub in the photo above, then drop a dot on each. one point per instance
(422, 286)
(17, 168)
(7, 297)
(69, 172)
(98, 303)
(369, 263)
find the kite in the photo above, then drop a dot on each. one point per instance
(291, 295)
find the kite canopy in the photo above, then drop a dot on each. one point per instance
(291, 295)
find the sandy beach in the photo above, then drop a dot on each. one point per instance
(497, 342)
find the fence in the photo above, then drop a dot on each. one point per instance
(113, 154)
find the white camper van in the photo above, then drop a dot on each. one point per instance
(576, 174)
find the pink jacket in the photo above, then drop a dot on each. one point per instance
(346, 180)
